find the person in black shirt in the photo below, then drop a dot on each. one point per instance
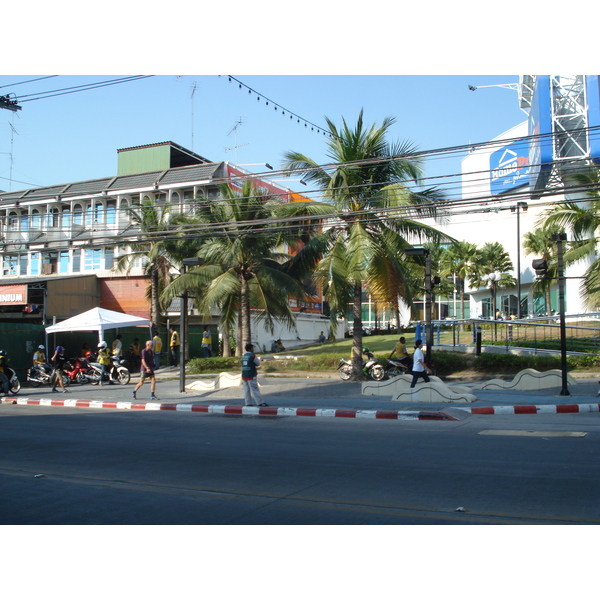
(58, 362)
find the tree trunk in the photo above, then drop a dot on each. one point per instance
(226, 340)
(357, 361)
(155, 303)
(245, 313)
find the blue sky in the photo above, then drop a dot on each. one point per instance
(75, 136)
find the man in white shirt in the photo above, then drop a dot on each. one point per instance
(420, 369)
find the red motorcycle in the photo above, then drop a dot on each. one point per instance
(76, 370)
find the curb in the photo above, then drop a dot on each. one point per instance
(267, 411)
(532, 410)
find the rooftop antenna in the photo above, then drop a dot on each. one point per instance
(12, 138)
(193, 92)
(233, 130)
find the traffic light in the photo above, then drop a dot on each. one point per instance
(540, 266)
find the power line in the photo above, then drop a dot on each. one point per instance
(28, 81)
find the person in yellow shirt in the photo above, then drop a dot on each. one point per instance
(157, 349)
(206, 342)
(400, 352)
(174, 346)
(104, 360)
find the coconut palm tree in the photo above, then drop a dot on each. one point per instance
(376, 218)
(493, 258)
(241, 261)
(458, 261)
(583, 223)
(152, 249)
(539, 243)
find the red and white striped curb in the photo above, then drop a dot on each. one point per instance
(533, 410)
(238, 410)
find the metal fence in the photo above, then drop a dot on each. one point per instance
(540, 335)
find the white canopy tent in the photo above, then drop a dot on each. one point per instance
(98, 319)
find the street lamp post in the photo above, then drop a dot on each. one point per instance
(494, 278)
(428, 297)
(559, 238)
(187, 262)
(517, 208)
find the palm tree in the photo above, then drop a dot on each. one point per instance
(375, 220)
(493, 258)
(152, 249)
(539, 243)
(241, 264)
(458, 261)
(583, 221)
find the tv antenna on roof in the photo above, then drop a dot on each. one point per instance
(233, 130)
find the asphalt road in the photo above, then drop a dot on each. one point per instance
(103, 466)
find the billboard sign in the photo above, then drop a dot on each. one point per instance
(592, 90)
(509, 167)
(540, 134)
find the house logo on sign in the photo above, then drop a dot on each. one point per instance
(509, 168)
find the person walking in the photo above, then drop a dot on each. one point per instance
(157, 349)
(420, 369)
(174, 346)
(250, 362)
(207, 342)
(146, 371)
(58, 362)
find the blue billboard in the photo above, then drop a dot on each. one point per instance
(540, 134)
(592, 90)
(509, 167)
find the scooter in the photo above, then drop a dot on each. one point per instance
(117, 373)
(76, 370)
(37, 376)
(396, 367)
(14, 385)
(371, 369)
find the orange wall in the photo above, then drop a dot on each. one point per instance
(125, 294)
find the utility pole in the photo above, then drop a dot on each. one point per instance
(559, 238)
(8, 104)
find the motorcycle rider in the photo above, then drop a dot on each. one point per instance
(39, 360)
(401, 352)
(4, 382)
(104, 360)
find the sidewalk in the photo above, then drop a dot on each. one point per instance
(295, 396)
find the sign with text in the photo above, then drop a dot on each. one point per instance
(509, 167)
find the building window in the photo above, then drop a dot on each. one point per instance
(35, 263)
(52, 218)
(10, 264)
(111, 212)
(99, 212)
(13, 221)
(64, 262)
(24, 221)
(49, 263)
(66, 218)
(36, 219)
(92, 259)
(109, 255)
(23, 261)
(76, 261)
(77, 215)
(88, 214)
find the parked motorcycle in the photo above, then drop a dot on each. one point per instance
(77, 370)
(396, 367)
(371, 368)
(38, 375)
(13, 381)
(117, 372)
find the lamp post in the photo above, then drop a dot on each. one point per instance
(186, 262)
(517, 208)
(494, 278)
(559, 238)
(428, 296)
